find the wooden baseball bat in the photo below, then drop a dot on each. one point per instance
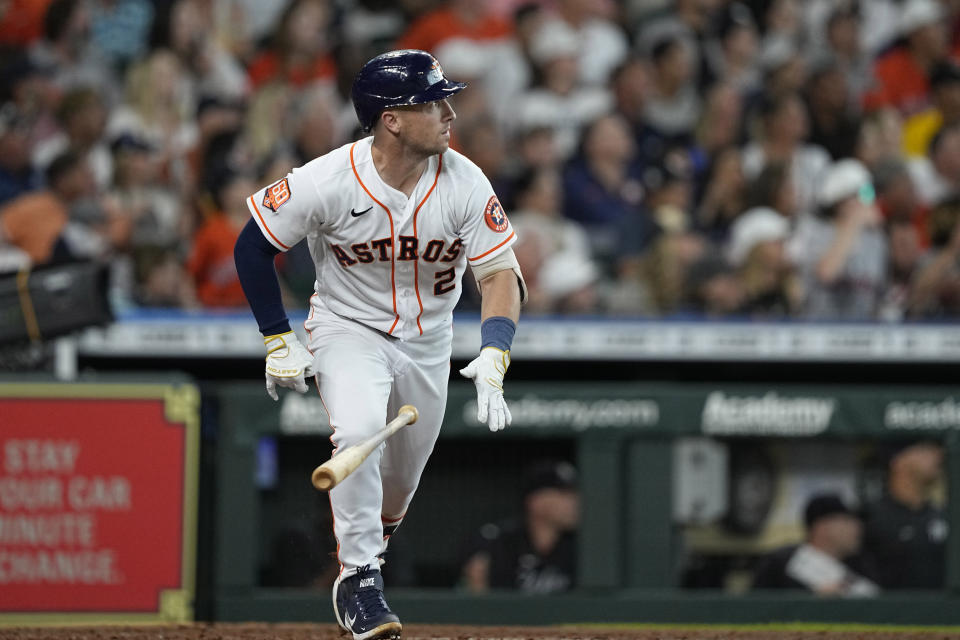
(334, 470)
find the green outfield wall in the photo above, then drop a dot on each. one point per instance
(621, 437)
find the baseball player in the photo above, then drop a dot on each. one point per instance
(392, 221)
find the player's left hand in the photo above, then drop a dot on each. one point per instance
(288, 363)
(487, 371)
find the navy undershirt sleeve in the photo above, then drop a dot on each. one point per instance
(254, 255)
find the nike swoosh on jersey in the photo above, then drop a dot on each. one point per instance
(357, 214)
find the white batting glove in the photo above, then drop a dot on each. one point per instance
(288, 363)
(487, 371)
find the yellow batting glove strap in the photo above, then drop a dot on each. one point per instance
(276, 342)
(504, 358)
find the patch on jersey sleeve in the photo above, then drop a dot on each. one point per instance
(494, 216)
(276, 194)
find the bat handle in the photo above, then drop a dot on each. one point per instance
(412, 410)
(331, 472)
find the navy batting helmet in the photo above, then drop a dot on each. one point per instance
(395, 78)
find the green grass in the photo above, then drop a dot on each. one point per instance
(784, 626)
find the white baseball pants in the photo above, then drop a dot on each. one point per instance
(364, 378)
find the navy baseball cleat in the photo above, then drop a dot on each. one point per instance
(360, 608)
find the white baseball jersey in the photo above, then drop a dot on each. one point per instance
(388, 261)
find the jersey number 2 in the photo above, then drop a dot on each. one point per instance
(444, 282)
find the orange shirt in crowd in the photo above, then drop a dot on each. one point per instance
(211, 264)
(22, 22)
(268, 66)
(900, 82)
(442, 24)
(33, 222)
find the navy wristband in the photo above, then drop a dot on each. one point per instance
(497, 332)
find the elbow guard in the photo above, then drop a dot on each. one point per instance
(504, 261)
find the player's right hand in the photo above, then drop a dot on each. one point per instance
(288, 363)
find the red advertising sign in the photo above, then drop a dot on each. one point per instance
(97, 499)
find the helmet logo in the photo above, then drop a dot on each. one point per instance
(435, 74)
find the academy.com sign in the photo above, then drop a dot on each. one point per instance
(770, 414)
(531, 411)
(922, 415)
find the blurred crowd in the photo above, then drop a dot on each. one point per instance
(761, 159)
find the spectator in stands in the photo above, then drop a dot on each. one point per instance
(454, 19)
(937, 176)
(483, 142)
(601, 186)
(28, 87)
(827, 562)
(897, 196)
(905, 252)
(544, 233)
(535, 552)
(784, 129)
(630, 85)
(724, 194)
(211, 261)
(673, 106)
(64, 221)
(528, 17)
(774, 189)
(159, 109)
(692, 21)
(904, 532)
(120, 29)
(571, 284)
(33, 223)
(833, 125)
(842, 250)
(734, 52)
(920, 128)
(559, 100)
(66, 50)
(720, 125)
(155, 211)
(901, 74)
(23, 24)
(652, 283)
(215, 117)
(713, 289)
(213, 71)
(603, 45)
(298, 52)
(162, 280)
(536, 148)
(757, 248)
(82, 116)
(312, 123)
(17, 175)
(935, 291)
(844, 48)
(880, 137)
(785, 70)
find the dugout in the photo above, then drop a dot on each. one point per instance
(623, 437)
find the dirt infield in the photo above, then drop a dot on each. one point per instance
(437, 632)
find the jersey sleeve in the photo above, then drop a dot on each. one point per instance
(286, 209)
(486, 231)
